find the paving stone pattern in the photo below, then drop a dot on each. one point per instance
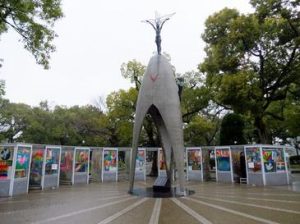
(110, 203)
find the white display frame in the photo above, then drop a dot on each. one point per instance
(187, 162)
(11, 176)
(74, 163)
(11, 187)
(270, 147)
(144, 166)
(230, 162)
(160, 172)
(59, 160)
(117, 163)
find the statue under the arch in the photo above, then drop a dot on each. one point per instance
(158, 96)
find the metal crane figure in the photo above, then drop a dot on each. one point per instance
(157, 25)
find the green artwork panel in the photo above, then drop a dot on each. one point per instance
(22, 162)
(110, 160)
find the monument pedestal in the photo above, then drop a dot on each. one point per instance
(162, 184)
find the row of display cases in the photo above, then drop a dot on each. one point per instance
(254, 164)
(24, 166)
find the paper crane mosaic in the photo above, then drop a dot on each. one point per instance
(158, 96)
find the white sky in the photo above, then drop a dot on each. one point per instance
(95, 38)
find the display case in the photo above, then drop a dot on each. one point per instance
(67, 165)
(140, 165)
(109, 164)
(52, 167)
(194, 164)
(224, 171)
(161, 163)
(7, 164)
(81, 165)
(37, 166)
(266, 165)
(15, 162)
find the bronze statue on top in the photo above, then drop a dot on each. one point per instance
(157, 25)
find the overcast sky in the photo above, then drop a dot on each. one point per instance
(95, 38)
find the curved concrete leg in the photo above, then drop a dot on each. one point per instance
(140, 115)
(173, 125)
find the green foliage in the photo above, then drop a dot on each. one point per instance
(253, 60)
(86, 125)
(198, 112)
(2, 88)
(79, 126)
(200, 131)
(33, 20)
(288, 127)
(193, 101)
(134, 71)
(232, 130)
(3, 103)
(121, 109)
(15, 117)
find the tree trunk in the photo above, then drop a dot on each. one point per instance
(263, 136)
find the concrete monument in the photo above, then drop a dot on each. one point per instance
(158, 96)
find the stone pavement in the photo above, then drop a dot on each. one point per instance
(110, 203)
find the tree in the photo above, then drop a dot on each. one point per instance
(121, 110)
(199, 114)
(14, 122)
(85, 125)
(134, 71)
(232, 130)
(201, 131)
(33, 20)
(39, 126)
(2, 88)
(289, 127)
(3, 108)
(194, 97)
(253, 60)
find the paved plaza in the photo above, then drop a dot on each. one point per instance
(110, 203)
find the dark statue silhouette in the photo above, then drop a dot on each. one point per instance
(157, 25)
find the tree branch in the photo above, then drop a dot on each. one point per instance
(19, 30)
(281, 118)
(293, 27)
(279, 82)
(248, 49)
(261, 71)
